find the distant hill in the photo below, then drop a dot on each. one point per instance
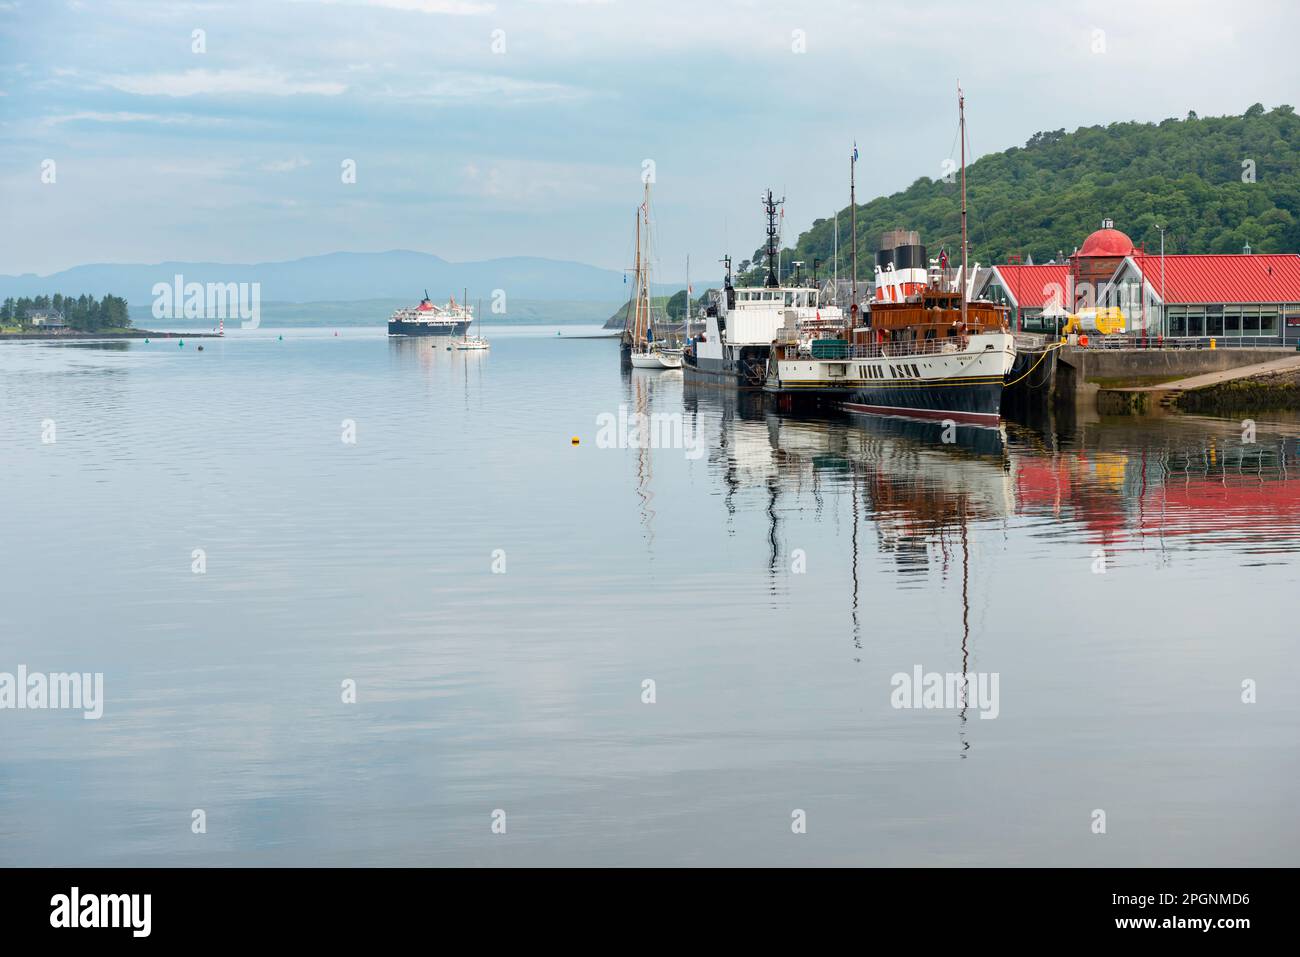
(662, 306)
(399, 274)
(657, 306)
(1044, 198)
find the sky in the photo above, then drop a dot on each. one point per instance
(481, 129)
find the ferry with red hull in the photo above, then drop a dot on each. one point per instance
(426, 319)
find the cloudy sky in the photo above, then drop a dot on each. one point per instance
(484, 128)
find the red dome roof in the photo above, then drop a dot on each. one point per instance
(1107, 242)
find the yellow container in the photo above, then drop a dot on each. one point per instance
(1213, 344)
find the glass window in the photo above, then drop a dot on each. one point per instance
(1214, 325)
(1195, 325)
(1232, 323)
(1250, 325)
(1267, 322)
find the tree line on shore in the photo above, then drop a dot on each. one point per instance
(82, 313)
(1215, 184)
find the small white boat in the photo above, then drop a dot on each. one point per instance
(468, 343)
(656, 359)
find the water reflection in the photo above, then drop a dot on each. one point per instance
(640, 389)
(96, 345)
(1122, 483)
(1153, 491)
(1131, 484)
(970, 555)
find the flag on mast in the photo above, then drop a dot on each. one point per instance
(855, 151)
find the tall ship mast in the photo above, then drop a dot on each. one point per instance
(921, 351)
(640, 349)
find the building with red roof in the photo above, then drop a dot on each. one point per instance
(1035, 293)
(1229, 296)
(1226, 296)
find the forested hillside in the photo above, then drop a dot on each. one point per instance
(1215, 183)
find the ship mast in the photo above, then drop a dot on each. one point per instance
(636, 283)
(961, 112)
(686, 314)
(770, 205)
(853, 231)
(639, 330)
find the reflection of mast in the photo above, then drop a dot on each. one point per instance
(730, 478)
(643, 461)
(853, 492)
(965, 628)
(772, 486)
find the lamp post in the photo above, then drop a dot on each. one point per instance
(1164, 323)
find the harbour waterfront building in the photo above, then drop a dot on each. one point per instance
(1245, 296)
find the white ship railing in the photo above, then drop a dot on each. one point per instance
(886, 350)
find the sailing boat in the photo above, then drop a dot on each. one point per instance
(645, 352)
(468, 342)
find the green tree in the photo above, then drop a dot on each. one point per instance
(1044, 198)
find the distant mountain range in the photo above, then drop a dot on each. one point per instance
(399, 274)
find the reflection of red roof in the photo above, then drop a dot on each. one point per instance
(1107, 242)
(1237, 507)
(1041, 482)
(1225, 278)
(1245, 505)
(1033, 287)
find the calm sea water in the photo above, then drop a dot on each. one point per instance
(501, 596)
